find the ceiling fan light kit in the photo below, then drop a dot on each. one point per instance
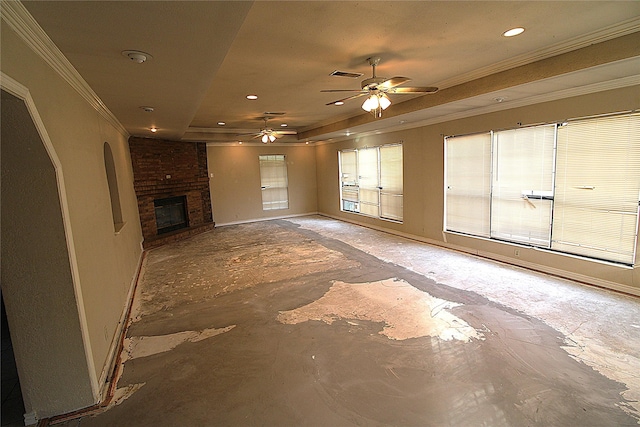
(376, 89)
(268, 137)
(267, 134)
(375, 103)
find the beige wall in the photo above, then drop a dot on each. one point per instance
(103, 264)
(424, 185)
(234, 181)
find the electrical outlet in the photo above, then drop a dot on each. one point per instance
(517, 252)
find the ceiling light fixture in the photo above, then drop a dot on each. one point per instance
(136, 56)
(252, 97)
(268, 137)
(375, 103)
(513, 32)
(147, 109)
(221, 123)
(154, 129)
(284, 125)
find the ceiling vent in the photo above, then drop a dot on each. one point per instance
(346, 74)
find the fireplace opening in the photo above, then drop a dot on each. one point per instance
(171, 214)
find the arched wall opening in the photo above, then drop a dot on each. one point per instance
(36, 274)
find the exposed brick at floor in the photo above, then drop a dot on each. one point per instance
(164, 169)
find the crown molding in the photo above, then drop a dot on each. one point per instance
(620, 29)
(25, 26)
(532, 100)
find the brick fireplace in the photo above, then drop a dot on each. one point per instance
(172, 186)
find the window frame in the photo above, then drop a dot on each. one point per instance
(353, 196)
(278, 176)
(624, 250)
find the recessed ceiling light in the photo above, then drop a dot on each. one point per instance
(338, 103)
(307, 142)
(513, 32)
(154, 129)
(221, 123)
(147, 109)
(499, 99)
(240, 142)
(284, 125)
(252, 97)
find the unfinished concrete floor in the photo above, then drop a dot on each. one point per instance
(315, 322)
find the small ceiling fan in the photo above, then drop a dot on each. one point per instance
(376, 90)
(268, 134)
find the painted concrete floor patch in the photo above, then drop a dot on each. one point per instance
(136, 347)
(406, 311)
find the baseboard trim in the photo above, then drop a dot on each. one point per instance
(108, 373)
(577, 277)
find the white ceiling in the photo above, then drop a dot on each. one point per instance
(208, 55)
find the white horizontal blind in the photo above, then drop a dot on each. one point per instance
(598, 187)
(274, 183)
(522, 185)
(468, 184)
(391, 203)
(349, 194)
(368, 172)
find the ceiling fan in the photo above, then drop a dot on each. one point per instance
(376, 90)
(268, 134)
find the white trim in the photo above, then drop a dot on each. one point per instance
(614, 31)
(107, 369)
(588, 280)
(16, 89)
(30, 419)
(20, 20)
(248, 144)
(247, 221)
(622, 82)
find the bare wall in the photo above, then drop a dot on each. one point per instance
(424, 185)
(104, 262)
(234, 180)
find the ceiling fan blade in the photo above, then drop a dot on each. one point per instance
(341, 90)
(392, 82)
(348, 98)
(427, 89)
(285, 132)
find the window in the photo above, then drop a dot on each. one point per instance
(572, 188)
(274, 183)
(522, 185)
(391, 182)
(371, 181)
(597, 186)
(468, 178)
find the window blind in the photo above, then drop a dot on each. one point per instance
(349, 194)
(468, 184)
(522, 185)
(391, 185)
(598, 188)
(368, 181)
(273, 182)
